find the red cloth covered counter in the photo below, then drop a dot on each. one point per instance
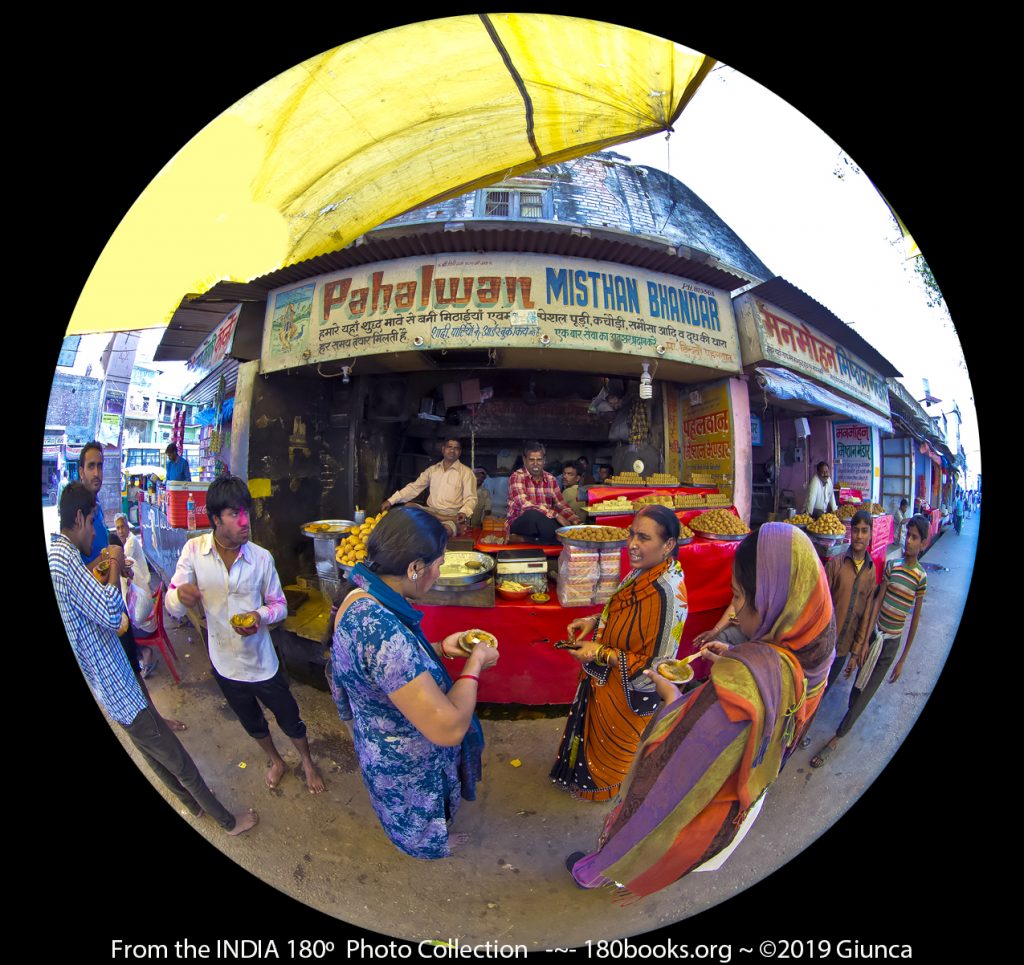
(531, 671)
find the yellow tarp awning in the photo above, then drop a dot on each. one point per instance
(348, 139)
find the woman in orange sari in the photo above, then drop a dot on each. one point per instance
(641, 623)
(708, 757)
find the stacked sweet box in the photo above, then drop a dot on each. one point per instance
(579, 571)
(608, 579)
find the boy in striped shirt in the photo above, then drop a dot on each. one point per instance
(903, 588)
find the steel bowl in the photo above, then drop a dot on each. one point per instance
(514, 594)
(723, 537)
(337, 528)
(456, 572)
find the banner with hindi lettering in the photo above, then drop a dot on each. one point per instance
(496, 300)
(853, 446)
(673, 430)
(708, 432)
(771, 334)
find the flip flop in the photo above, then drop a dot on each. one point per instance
(823, 755)
(570, 861)
(175, 725)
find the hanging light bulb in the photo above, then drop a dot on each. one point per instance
(646, 383)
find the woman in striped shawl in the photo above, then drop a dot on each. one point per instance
(706, 760)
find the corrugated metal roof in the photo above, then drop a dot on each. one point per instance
(786, 295)
(206, 390)
(195, 319)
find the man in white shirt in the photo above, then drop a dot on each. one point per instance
(820, 497)
(452, 496)
(234, 577)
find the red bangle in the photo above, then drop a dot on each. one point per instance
(469, 676)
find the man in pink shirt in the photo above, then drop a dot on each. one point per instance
(536, 507)
(234, 577)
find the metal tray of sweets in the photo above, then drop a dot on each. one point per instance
(564, 539)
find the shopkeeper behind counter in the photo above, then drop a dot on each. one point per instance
(536, 507)
(820, 496)
(452, 495)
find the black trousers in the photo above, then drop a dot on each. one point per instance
(244, 698)
(535, 527)
(859, 698)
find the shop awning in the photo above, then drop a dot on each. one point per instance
(781, 384)
(355, 136)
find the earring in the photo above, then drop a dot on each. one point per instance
(414, 575)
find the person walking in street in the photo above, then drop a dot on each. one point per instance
(904, 584)
(238, 585)
(958, 511)
(93, 614)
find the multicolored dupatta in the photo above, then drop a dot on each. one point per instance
(707, 758)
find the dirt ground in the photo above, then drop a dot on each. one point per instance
(508, 883)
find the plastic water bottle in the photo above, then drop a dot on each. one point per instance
(190, 512)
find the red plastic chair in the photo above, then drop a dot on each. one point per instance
(159, 636)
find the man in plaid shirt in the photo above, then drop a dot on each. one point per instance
(536, 507)
(93, 614)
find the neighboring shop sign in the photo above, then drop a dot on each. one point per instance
(516, 300)
(707, 432)
(756, 431)
(110, 420)
(854, 456)
(673, 431)
(215, 346)
(782, 338)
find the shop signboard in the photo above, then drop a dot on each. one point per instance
(771, 334)
(110, 420)
(708, 432)
(498, 300)
(673, 431)
(215, 346)
(853, 446)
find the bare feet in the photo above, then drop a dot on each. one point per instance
(275, 774)
(175, 725)
(314, 781)
(516, 538)
(456, 841)
(244, 821)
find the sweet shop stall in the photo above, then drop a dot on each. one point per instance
(818, 394)
(370, 370)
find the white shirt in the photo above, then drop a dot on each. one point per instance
(820, 497)
(252, 584)
(133, 550)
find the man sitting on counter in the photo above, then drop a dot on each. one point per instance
(452, 496)
(536, 507)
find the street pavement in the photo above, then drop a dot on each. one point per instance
(507, 883)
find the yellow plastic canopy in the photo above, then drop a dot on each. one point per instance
(346, 140)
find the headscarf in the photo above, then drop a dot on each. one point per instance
(795, 606)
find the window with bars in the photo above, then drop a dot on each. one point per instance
(513, 203)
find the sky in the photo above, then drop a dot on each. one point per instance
(773, 179)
